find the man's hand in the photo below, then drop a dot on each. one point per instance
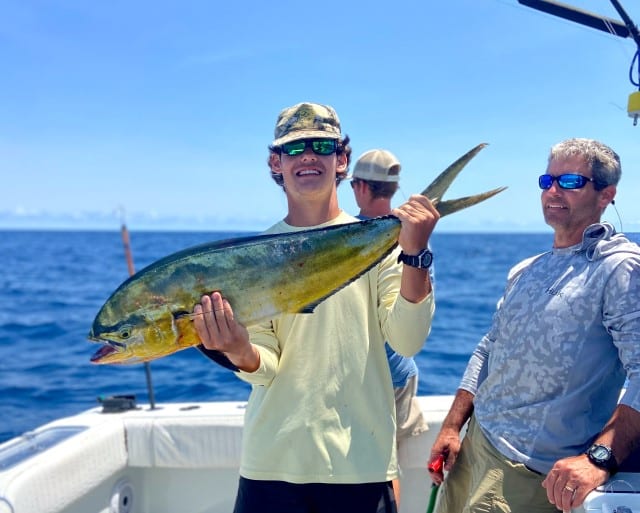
(418, 217)
(571, 479)
(447, 447)
(218, 330)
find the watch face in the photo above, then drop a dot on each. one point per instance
(601, 456)
(600, 453)
(426, 257)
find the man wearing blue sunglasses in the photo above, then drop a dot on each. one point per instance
(319, 427)
(542, 388)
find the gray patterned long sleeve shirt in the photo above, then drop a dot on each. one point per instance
(565, 337)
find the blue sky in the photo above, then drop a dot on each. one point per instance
(164, 109)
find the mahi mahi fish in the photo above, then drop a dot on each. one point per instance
(150, 314)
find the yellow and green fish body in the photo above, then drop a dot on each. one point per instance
(150, 314)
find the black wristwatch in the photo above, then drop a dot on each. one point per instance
(422, 260)
(602, 457)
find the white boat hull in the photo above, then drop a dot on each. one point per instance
(180, 457)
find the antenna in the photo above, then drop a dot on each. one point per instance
(624, 29)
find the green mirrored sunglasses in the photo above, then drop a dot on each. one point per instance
(319, 146)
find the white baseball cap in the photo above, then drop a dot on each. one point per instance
(377, 165)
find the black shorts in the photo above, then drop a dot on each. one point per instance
(282, 497)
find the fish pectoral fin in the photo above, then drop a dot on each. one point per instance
(185, 331)
(450, 206)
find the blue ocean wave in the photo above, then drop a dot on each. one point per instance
(53, 283)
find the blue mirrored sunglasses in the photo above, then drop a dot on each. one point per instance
(319, 146)
(568, 181)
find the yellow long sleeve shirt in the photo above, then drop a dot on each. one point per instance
(321, 408)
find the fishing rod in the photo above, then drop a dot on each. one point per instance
(127, 252)
(625, 28)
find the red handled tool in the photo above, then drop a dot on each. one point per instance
(436, 465)
(433, 467)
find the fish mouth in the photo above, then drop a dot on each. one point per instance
(105, 351)
(108, 348)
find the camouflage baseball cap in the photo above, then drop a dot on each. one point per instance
(377, 165)
(306, 120)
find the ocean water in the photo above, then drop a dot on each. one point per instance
(52, 284)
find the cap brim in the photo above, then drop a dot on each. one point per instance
(304, 134)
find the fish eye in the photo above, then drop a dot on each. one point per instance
(125, 332)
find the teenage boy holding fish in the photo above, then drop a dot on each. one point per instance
(319, 431)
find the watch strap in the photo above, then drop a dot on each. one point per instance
(422, 260)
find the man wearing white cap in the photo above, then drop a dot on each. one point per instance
(374, 181)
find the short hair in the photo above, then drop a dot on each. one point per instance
(343, 147)
(379, 189)
(603, 161)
